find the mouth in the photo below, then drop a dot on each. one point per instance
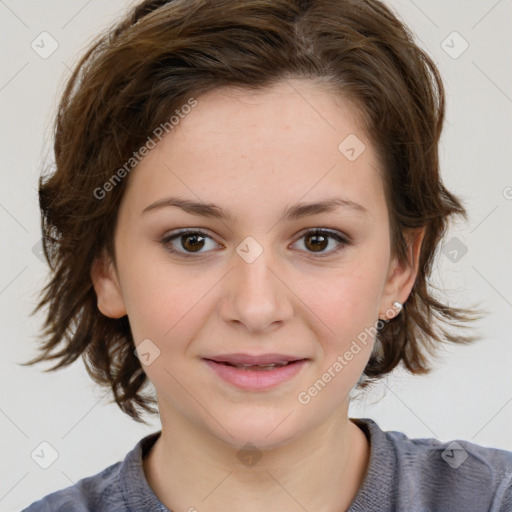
(258, 367)
(256, 373)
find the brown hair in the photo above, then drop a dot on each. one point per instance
(165, 52)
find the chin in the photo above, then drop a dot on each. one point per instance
(263, 428)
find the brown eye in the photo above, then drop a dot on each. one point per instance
(188, 243)
(317, 242)
(193, 242)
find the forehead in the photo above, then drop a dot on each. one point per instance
(282, 115)
(293, 141)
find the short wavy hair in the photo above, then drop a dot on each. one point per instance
(161, 54)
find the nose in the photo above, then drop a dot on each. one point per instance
(255, 295)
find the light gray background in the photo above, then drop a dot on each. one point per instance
(469, 393)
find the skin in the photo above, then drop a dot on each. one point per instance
(255, 154)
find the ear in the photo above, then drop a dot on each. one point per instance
(401, 277)
(106, 284)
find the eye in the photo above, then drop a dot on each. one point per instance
(189, 242)
(317, 240)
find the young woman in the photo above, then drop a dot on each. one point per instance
(245, 210)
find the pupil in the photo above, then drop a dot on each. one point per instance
(193, 247)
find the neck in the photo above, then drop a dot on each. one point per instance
(191, 470)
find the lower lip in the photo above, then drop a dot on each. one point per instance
(256, 380)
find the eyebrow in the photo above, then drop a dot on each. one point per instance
(294, 212)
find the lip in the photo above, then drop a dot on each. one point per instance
(255, 380)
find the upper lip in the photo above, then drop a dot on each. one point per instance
(253, 359)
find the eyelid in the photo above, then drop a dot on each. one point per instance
(325, 231)
(175, 234)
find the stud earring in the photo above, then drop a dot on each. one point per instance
(398, 306)
(391, 313)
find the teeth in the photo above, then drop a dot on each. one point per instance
(268, 366)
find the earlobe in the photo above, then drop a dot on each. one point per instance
(401, 277)
(107, 288)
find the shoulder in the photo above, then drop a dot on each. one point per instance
(444, 475)
(457, 472)
(445, 459)
(101, 492)
(118, 488)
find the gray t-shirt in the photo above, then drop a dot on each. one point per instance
(404, 475)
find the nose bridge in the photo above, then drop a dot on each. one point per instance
(253, 272)
(255, 296)
(253, 259)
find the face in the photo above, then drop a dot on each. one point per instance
(254, 273)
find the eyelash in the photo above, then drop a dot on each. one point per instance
(343, 241)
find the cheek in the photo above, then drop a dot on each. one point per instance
(160, 297)
(346, 301)
(164, 309)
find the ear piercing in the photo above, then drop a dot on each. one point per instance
(391, 313)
